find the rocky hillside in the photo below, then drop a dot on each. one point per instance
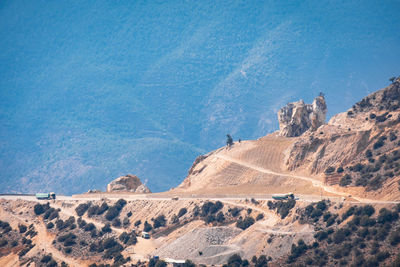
(355, 153)
(237, 233)
(356, 149)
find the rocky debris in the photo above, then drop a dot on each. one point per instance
(127, 183)
(297, 117)
(211, 245)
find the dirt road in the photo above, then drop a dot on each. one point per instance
(314, 182)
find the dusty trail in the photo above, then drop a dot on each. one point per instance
(44, 241)
(314, 182)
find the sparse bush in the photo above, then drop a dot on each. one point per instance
(109, 243)
(329, 170)
(137, 223)
(283, 207)
(394, 238)
(126, 222)
(147, 227)
(40, 209)
(220, 217)
(50, 225)
(345, 181)
(380, 143)
(189, 263)
(116, 222)
(46, 258)
(93, 210)
(260, 217)
(103, 208)
(297, 251)
(22, 228)
(211, 208)
(3, 242)
(106, 228)
(235, 211)
(159, 221)
(392, 136)
(235, 260)
(112, 213)
(182, 212)
(245, 223)
(89, 227)
(128, 239)
(82, 208)
(209, 218)
(120, 204)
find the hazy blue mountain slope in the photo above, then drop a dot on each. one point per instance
(90, 90)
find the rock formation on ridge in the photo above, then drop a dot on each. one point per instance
(297, 117)
(127, 183)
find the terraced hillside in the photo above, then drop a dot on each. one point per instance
(255, 167)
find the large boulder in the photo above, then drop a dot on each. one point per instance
(127, 183)
(297, 117)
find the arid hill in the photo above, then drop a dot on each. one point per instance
(223, 214)
(356, 153)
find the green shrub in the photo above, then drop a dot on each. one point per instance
(260, 217)
(209, 218)
(283, 207)
(93, 210)
(380, 143)
(50, 225)
(89, 227)
(40, 209)
(220, 217)
(112, 213)
(120, 204)
(82, 208)
(106, 228)
(46, 258)
(235, 211)
(182, 212)
(147, 227)
(22, 228)
(211, 208)
(126, 222)
(245, 223)
(116, 222)
(235, 260)
(159, 221)
(103, 208)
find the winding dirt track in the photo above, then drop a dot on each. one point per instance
(314, 182)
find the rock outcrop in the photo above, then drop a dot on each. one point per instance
(127, 183)
(297, 117)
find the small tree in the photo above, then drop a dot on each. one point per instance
(392, 79)
(229, 140)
